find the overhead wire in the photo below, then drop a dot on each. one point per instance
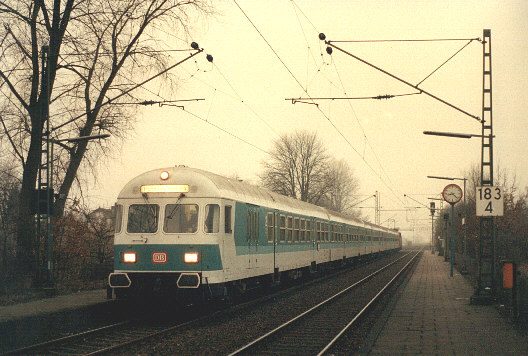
(441, 65)
(343, 88)
(408, 40)
(244, 102)
(224, 130)
(310, 53)
(238, 96)
(318, 108)
(363, 131)
(131, 89)
(355, 114)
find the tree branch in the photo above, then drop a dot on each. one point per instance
(13, 90)
(45, 14)
(12, 143)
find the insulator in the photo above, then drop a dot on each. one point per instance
(329, 50)
(194, 45)
(209, 58)
(322, 36)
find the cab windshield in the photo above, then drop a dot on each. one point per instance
(181, 218)
(142, 218)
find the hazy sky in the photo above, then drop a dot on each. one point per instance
(246, 87)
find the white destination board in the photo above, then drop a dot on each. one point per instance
(490, 201)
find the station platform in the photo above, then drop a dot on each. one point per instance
(10, 313)
(37, 321)
(433, 317)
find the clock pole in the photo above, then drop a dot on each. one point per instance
(452, 240)
(452, 194)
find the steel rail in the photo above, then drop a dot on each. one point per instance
(45, 344)
(60, 343)
(366, 307)
(274, 331)
(141, 338)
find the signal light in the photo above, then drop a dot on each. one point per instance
(164, 175)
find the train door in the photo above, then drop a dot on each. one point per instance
(271, 232)
(252, 235)
(313, 241)
(276, 251)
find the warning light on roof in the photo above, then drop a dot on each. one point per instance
(164, 175)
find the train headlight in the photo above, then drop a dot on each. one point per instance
(190, 257)
(129, 257)
(164, 175)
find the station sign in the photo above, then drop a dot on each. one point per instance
(489, 201)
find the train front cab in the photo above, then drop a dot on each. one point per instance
(170, 246)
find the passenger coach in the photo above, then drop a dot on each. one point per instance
(184, 231)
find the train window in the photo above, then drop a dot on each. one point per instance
(326, 232)
(296, 230)
(318, 228)
(227, 219)
(308, 236)
(142, 218)
(290, 228)
(303, 230)
(118, 218)
(282, 228)
(270, 226)
(212, 218)
(181, 218)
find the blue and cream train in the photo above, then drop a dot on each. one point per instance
(186, 231)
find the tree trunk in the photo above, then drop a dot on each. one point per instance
(25, 256)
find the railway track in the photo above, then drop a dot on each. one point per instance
(97, 341)
(318, 329)
(120, 336)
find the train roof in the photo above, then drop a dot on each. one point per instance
(206, 184)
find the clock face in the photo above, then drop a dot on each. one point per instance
(452, 193)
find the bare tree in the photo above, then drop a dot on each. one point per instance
(341, 186)
(98, 51)
(9, 188)
(296, 167)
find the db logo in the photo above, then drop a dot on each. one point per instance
(159, 257)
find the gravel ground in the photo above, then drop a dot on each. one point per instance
(226, 331)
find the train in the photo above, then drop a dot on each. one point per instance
(185, 232)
